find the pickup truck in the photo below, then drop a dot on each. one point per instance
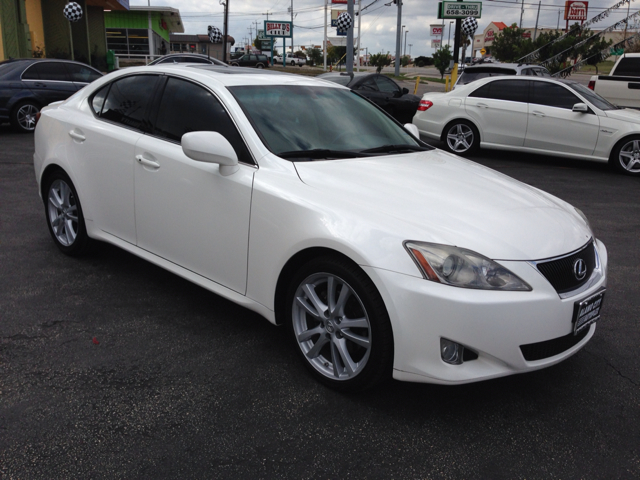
(291, 60)
(622, 86)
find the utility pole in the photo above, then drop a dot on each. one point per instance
(226, 32)
(398, 39)
(535, 32)
(291, 28)
(558, 26)
(325, 35)
(411, 45)
(404, 50)
(350, 38)
(359, 23)
(521, 13)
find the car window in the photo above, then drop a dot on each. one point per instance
(509, 90)
(628, 67)
(128, 99)
(528, 71)
(253, 58)
(47, 71)
(385, 85)
(186, 107)
(193, 59)
(97, 102)
(369, 84)
(553, 95)
(542, 72)
(262, 58)
(472, 74)
(80, 73)
(593, 97)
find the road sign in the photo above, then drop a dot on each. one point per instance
(483, 51)
(456, 10)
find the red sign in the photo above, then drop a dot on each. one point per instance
(526, 35)
(342, 2)
(436, 30)
(574, 10)
(488, 37)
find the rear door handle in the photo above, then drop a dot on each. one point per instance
(482, 105)
(77, 136)
(40, 85)
(538, 114)
(147, 162)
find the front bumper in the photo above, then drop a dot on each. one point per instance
(493, 324)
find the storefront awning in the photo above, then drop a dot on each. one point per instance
(110, 4)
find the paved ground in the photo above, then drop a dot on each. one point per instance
(184, 384)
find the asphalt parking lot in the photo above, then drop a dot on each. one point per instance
(180, 383)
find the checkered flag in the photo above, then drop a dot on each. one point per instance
(344, 22)
(215, 35)
(72, 11)
(469, 26)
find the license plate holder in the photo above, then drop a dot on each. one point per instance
(587, 311)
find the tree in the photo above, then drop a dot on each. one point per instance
(257, 43)
(422, 61)
(380, 60)
(442, 58)
(405, 60)
(510, 45)
(315, 56)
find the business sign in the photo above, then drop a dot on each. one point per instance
(334, 17)
(265, 43)
(436, 30)
(456, 10)
(341, 2)
(575, 10)
(489, 36)
(436, 44)
(277, 29)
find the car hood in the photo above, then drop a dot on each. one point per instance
(441, 198)
(624, 114)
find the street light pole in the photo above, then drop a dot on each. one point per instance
(405, 43)
(449, 37)
(398, 39)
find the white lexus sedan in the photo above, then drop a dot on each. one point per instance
(302, 201)
(536, 115)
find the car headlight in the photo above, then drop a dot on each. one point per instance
(462, 268)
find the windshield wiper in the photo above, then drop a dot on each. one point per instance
(395, 148)
(321, 153)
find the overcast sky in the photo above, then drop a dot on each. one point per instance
(378, 20)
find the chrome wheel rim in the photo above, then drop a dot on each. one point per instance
(26, 116)
(331, 326)
(63, 212)
(460, 138)
(629, 156)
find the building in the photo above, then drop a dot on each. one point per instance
(199, 44)
(39, 28)
(493, 30)
(142, 31)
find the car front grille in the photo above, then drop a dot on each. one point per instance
(549, 348)
(560, 271)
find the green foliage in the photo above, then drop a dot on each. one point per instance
(442, 58)
(257, 43)
(423, 61)
(315, 56)
(380, 60)
(509, 46)
(335, 53)
(404, 61)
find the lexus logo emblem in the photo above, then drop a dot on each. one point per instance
(580, 269)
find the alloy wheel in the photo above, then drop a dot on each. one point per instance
(460, 138)
(63, 212)
(26, 116)
(629, 157)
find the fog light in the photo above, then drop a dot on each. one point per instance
(451, 352)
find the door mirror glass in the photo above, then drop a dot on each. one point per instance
(210, 147)
(405, 91)
(413, 130)
(580, 107)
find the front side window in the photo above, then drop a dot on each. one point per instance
(128, 99)
(628, 67)
(82, 74)
(385, 85)
(553, 95)
(186, 107)
(509, 90)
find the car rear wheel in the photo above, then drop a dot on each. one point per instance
(626, 156)
(461, 137)
(23, 117)
(259, 65)
(64, 215)
(293, 63)
(340, 325)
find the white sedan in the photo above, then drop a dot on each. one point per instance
(302, 201)
(536, 115)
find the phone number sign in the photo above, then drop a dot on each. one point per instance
(460, 9)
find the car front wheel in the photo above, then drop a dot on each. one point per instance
(461, 137)
(23, 117)
(340, 325)
(626, 156)
(64, 215)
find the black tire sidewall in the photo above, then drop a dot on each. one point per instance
(380, 363)
(475, 145)
(81, 242)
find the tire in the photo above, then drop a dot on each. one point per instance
(23, 116)
(350, 348)
(461, 137)
(235, 64)
(293, 64)
(625, 157)
(259, 65)
(64, 215)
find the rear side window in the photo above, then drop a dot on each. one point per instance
(553, 95)
(80, 73)
(55, 71)
(128, 99)
(509, 90)
(628, 67)
(97, 101)
(186, 107)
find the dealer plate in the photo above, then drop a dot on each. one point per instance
(587, 311)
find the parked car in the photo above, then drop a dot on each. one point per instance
(622, 86)
(485, 70)
(302, 201)
(381, 90)
(188, 58)
(536, 115)
(251, 60)
(28, 84)
(291, 60)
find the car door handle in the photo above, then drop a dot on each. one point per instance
(40, 85)
(538, 114)
(482, 105)
(77, 136)
(147, 162)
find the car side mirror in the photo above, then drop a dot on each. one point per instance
(211, 147)
(580, 108)
(413, 130)
(405, 91)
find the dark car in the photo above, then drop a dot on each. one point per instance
(27, 85)
(188, 58)
(382, 91)
(251, 60)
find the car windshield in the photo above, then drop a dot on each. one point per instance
(302, 118)
(593, 97)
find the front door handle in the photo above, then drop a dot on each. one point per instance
(40, 85)
(77, 136)
(147, 162)
(482, 105)
(538, 114)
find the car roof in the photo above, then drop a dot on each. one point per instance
(522, 78)
(498, 65)
(184, 54)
